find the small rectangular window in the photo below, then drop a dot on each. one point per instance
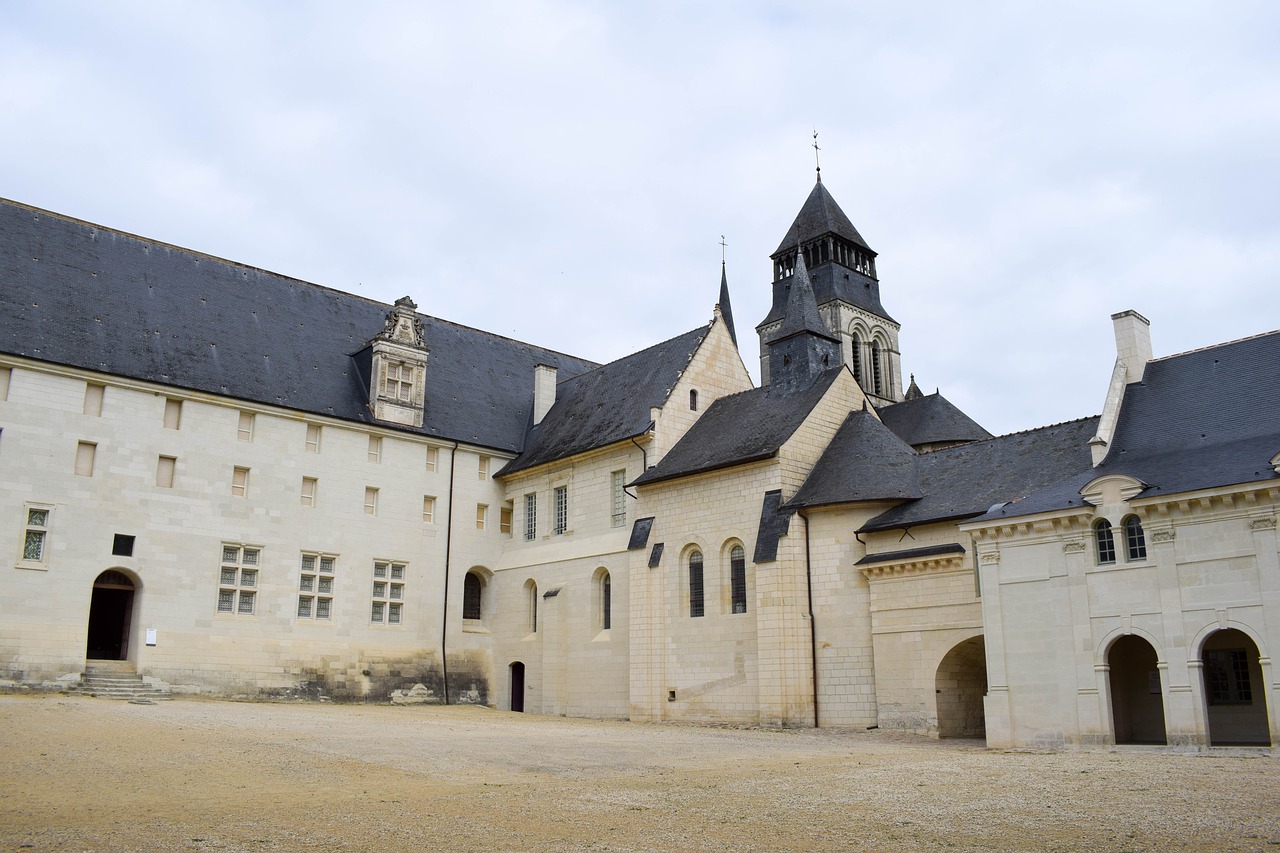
(240, 482)
(35, 534)
(313, 438)
(483, 468)
(482, 516)
(433, 458)
(504, 519)
(122, 545)
(399, 382)
(309, 491)
(85, 452)
(164, 471)
(244, 429)
(429, 510)
(172, 414)
(375, 448)
(93, 399)
(561, 496)
(370, 501)
(531, 516)
(618, 497)
(6, 373)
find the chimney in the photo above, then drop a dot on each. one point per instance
(1133, 343)
(544, 391)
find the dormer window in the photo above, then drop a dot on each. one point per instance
(399, 382)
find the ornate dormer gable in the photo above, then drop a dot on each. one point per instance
(398, 374)
(1111, 489)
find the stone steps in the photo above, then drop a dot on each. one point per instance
(116, 682)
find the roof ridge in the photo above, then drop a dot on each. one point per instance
(242, 265)
(637, 353)
(1217, 345)
(1020, 432)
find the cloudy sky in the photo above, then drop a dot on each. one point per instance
(562, 172)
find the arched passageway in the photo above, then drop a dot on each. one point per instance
(110, 613)
(1137, 705)
(960, 684)
(1233, 690)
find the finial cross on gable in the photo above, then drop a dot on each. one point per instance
(816, 162)
(722, 245)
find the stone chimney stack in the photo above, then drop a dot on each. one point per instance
(544, 391)
(1133, 343)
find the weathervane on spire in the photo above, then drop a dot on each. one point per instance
(722, 245)
(816, 162)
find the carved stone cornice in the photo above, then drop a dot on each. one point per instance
(1263, 524)
(919, 566)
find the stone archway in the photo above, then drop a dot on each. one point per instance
(1233, 690)
(110, 616)
(1137, 704)
(961, 684)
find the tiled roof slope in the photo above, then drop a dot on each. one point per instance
(819, 215)
(740, 428)
(863, 462)
(608, 404)
(931, 419)
(830, 281)
(85, 296)
(965, 481)
(1198, 420)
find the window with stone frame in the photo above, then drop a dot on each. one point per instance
(244, 427)
(310, 485)
(482, 516)
(398, 384)
(172, 414)
(1135, 541)
(428, 510)
(240, 482)
(375, 448)
(1226, 675)
(1104, 542)
(35, 534)
(738, 579)
(313, 438)
(618, 498)
(472, 596)
(93, 399)
(85, 453)
(561, 501)
(316, 585)
(238, 579)
(433, 458)
(697, 603)
(482, 468)
(531, 516)
(370, 500)
(388, 592)
(504, 518)
(877, 368)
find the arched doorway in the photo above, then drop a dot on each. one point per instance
(110, 613)
(1233, 690)
(517, 686)
(1137, 705)
(961, 684)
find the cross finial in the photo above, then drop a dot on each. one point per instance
(722, 245)
(816, 162)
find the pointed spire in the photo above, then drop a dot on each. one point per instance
(819, 216)
(913, 391)
(802, 306)
(726, 310)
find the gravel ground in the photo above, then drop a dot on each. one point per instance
(93, 774)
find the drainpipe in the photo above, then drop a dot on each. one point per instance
(644, 463)
(813, 628)
(448, 546)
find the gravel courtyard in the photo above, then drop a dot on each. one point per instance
(93, 774)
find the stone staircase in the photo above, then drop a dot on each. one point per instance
(117, 680)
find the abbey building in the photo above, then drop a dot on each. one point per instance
(221, 480)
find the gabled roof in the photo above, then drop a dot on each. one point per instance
(863, 462)
(1198, 420)
(819, 215)
(741, 428)
(965, 481)
(930, 419)
(608, 404)
(91, 297)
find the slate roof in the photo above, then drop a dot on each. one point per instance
(965, 481)
(910, 554)
(802, 310)
(726, 310)
(820, 215)
(741, 428)
(930, 419)
(82, 295)
(608, 404)
(1198, 420)
(863, 462)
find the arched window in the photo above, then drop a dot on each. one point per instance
(877, 379)
(738, 579)
(857, 358)
(606, 601)
(1105, 542)
(696, 605)
(531, 589)
(693, 401)
(1135, 541)
(472, 586)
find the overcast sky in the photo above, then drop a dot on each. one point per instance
(562, 172)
